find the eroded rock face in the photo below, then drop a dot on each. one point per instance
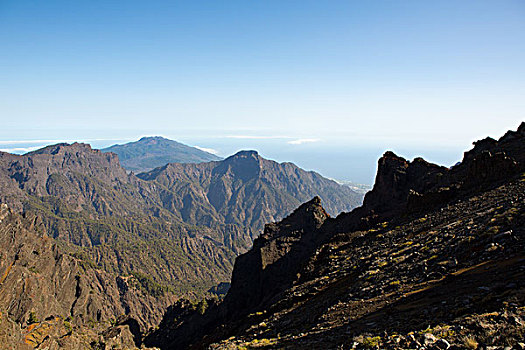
(275, 259)
(417, 185)
(49, 297)
(396, 179)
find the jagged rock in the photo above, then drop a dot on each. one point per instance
(276, 257)
(396, 179)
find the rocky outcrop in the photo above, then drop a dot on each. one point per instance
(511, 144)
(402, 185)
(275, 258)
(396, 179)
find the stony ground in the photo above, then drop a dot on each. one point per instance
(449, 278)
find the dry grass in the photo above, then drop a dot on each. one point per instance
(470, 343)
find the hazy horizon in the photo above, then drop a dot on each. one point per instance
(338, 159)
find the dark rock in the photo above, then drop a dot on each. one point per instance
(397, 179)
(276, 258)
(442, 344)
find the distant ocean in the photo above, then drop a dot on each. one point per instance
(339, 160)
(336, 159)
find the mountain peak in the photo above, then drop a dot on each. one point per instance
(311, 210)
(243, 164)
(308, 217)
(275, 258)
(396, 178)
(57, 148)
(153, 139)
(246, 154)
(521, 128)
(151, 152)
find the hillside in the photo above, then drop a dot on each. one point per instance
(151, 152)
(433, 259)
(53, 299)
(88, 203)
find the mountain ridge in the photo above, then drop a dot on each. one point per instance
(224, 190)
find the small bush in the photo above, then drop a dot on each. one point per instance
(371, 342)
(32, 318)
(68, 326)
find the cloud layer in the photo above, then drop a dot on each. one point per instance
(301, 141)
(209, 150)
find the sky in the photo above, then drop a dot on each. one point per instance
(304, 81)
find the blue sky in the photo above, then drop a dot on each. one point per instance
(388, 74)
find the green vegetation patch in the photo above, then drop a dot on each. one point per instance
(149, 286)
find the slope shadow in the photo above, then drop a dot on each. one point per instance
(478, 289)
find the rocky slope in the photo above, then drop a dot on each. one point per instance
(433, 259)
(151, 152)
(51, 299)
(87, 202)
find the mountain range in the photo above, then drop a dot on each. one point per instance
(100, 242)
(95, 257)
(152, 152)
